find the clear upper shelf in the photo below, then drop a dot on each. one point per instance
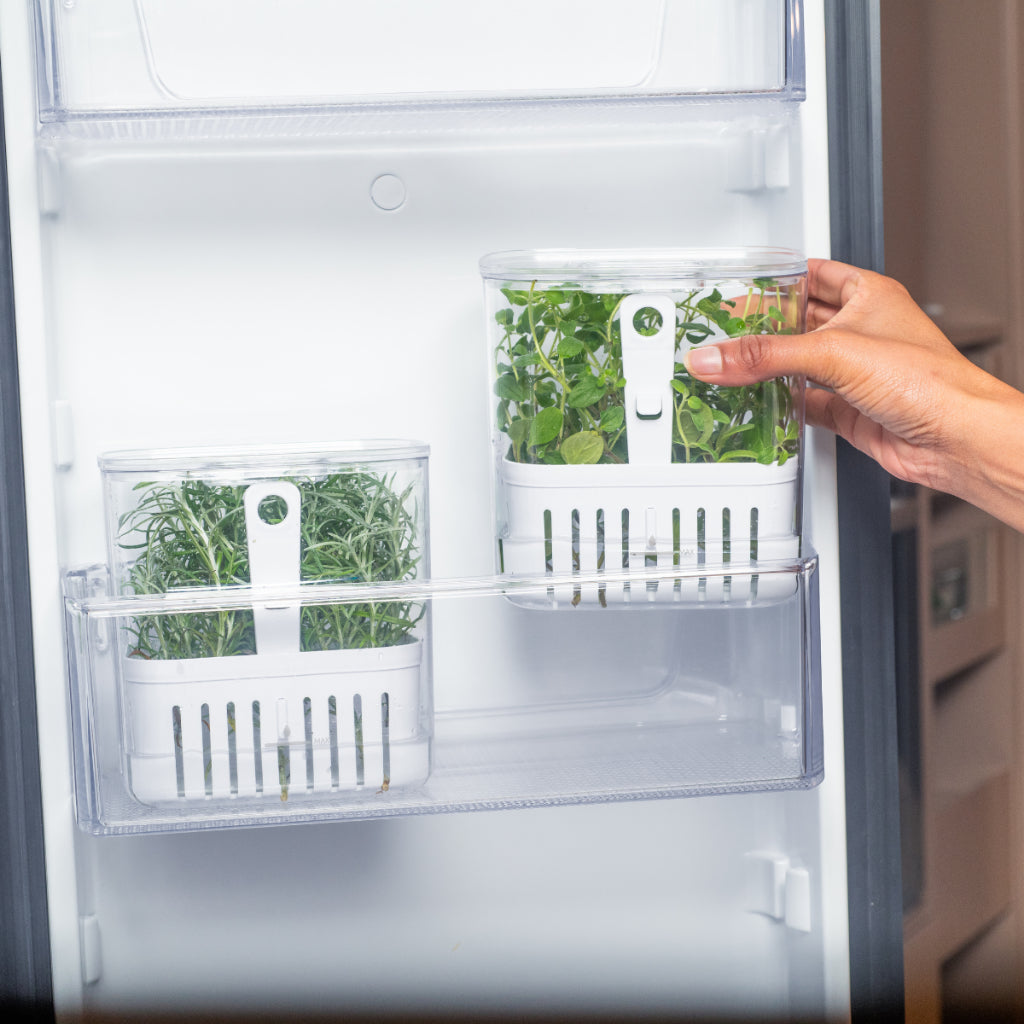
(114, 59)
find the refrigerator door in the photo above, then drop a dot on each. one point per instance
(212, 247)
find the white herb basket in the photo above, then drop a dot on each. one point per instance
(583, 519)
(572, 519)
(274, 725)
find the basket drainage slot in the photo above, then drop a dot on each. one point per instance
(726, 552)
(574, 528)
(179, 758)
(232, 749)
(357, 725)
(307, 728)
(257, 745)
(204, 721)
(702, 551)
(385, 739)
(677, 554)
(549, 552)
(625, 550)
(548, 543)
(753, 551)
(332, 732)
(651, 549)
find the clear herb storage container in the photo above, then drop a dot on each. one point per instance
(274, 692)
(607, 453)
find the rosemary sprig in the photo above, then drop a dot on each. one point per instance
(354, 526)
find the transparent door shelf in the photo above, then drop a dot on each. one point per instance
(125, 58)
(496, 705)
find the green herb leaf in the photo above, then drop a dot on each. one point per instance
(546, 426)
(588, 392)
(511, 389)
(612, 418)
(569, 348)
(584, 448)
(519, 430)
(695, 332)
(696, 422)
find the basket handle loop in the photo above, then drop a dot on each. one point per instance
(274, 560)
(648, 364)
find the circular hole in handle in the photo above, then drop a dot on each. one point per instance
(647, 321)
(272, 510)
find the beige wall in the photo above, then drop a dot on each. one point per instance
(952, 94)
(945, 142)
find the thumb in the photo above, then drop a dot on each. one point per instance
(753, 358)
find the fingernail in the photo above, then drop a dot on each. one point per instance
(704, 361)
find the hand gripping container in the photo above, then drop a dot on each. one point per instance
(269, 693)
(607, 453)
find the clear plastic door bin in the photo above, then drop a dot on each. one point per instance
(652, 701)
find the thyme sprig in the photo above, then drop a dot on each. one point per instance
(559, 377)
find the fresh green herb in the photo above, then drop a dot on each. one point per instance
(559, 377)
(354, 527)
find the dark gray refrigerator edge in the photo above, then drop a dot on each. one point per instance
(869, 685)
(24, 938)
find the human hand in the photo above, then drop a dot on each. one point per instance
(900, 390)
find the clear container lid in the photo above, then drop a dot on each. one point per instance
(599, 266)
(192, 461)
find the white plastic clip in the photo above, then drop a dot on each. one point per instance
(274, 560)
(766, 883)
(647, 363)
(777, 889)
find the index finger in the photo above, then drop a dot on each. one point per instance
(832, 282)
